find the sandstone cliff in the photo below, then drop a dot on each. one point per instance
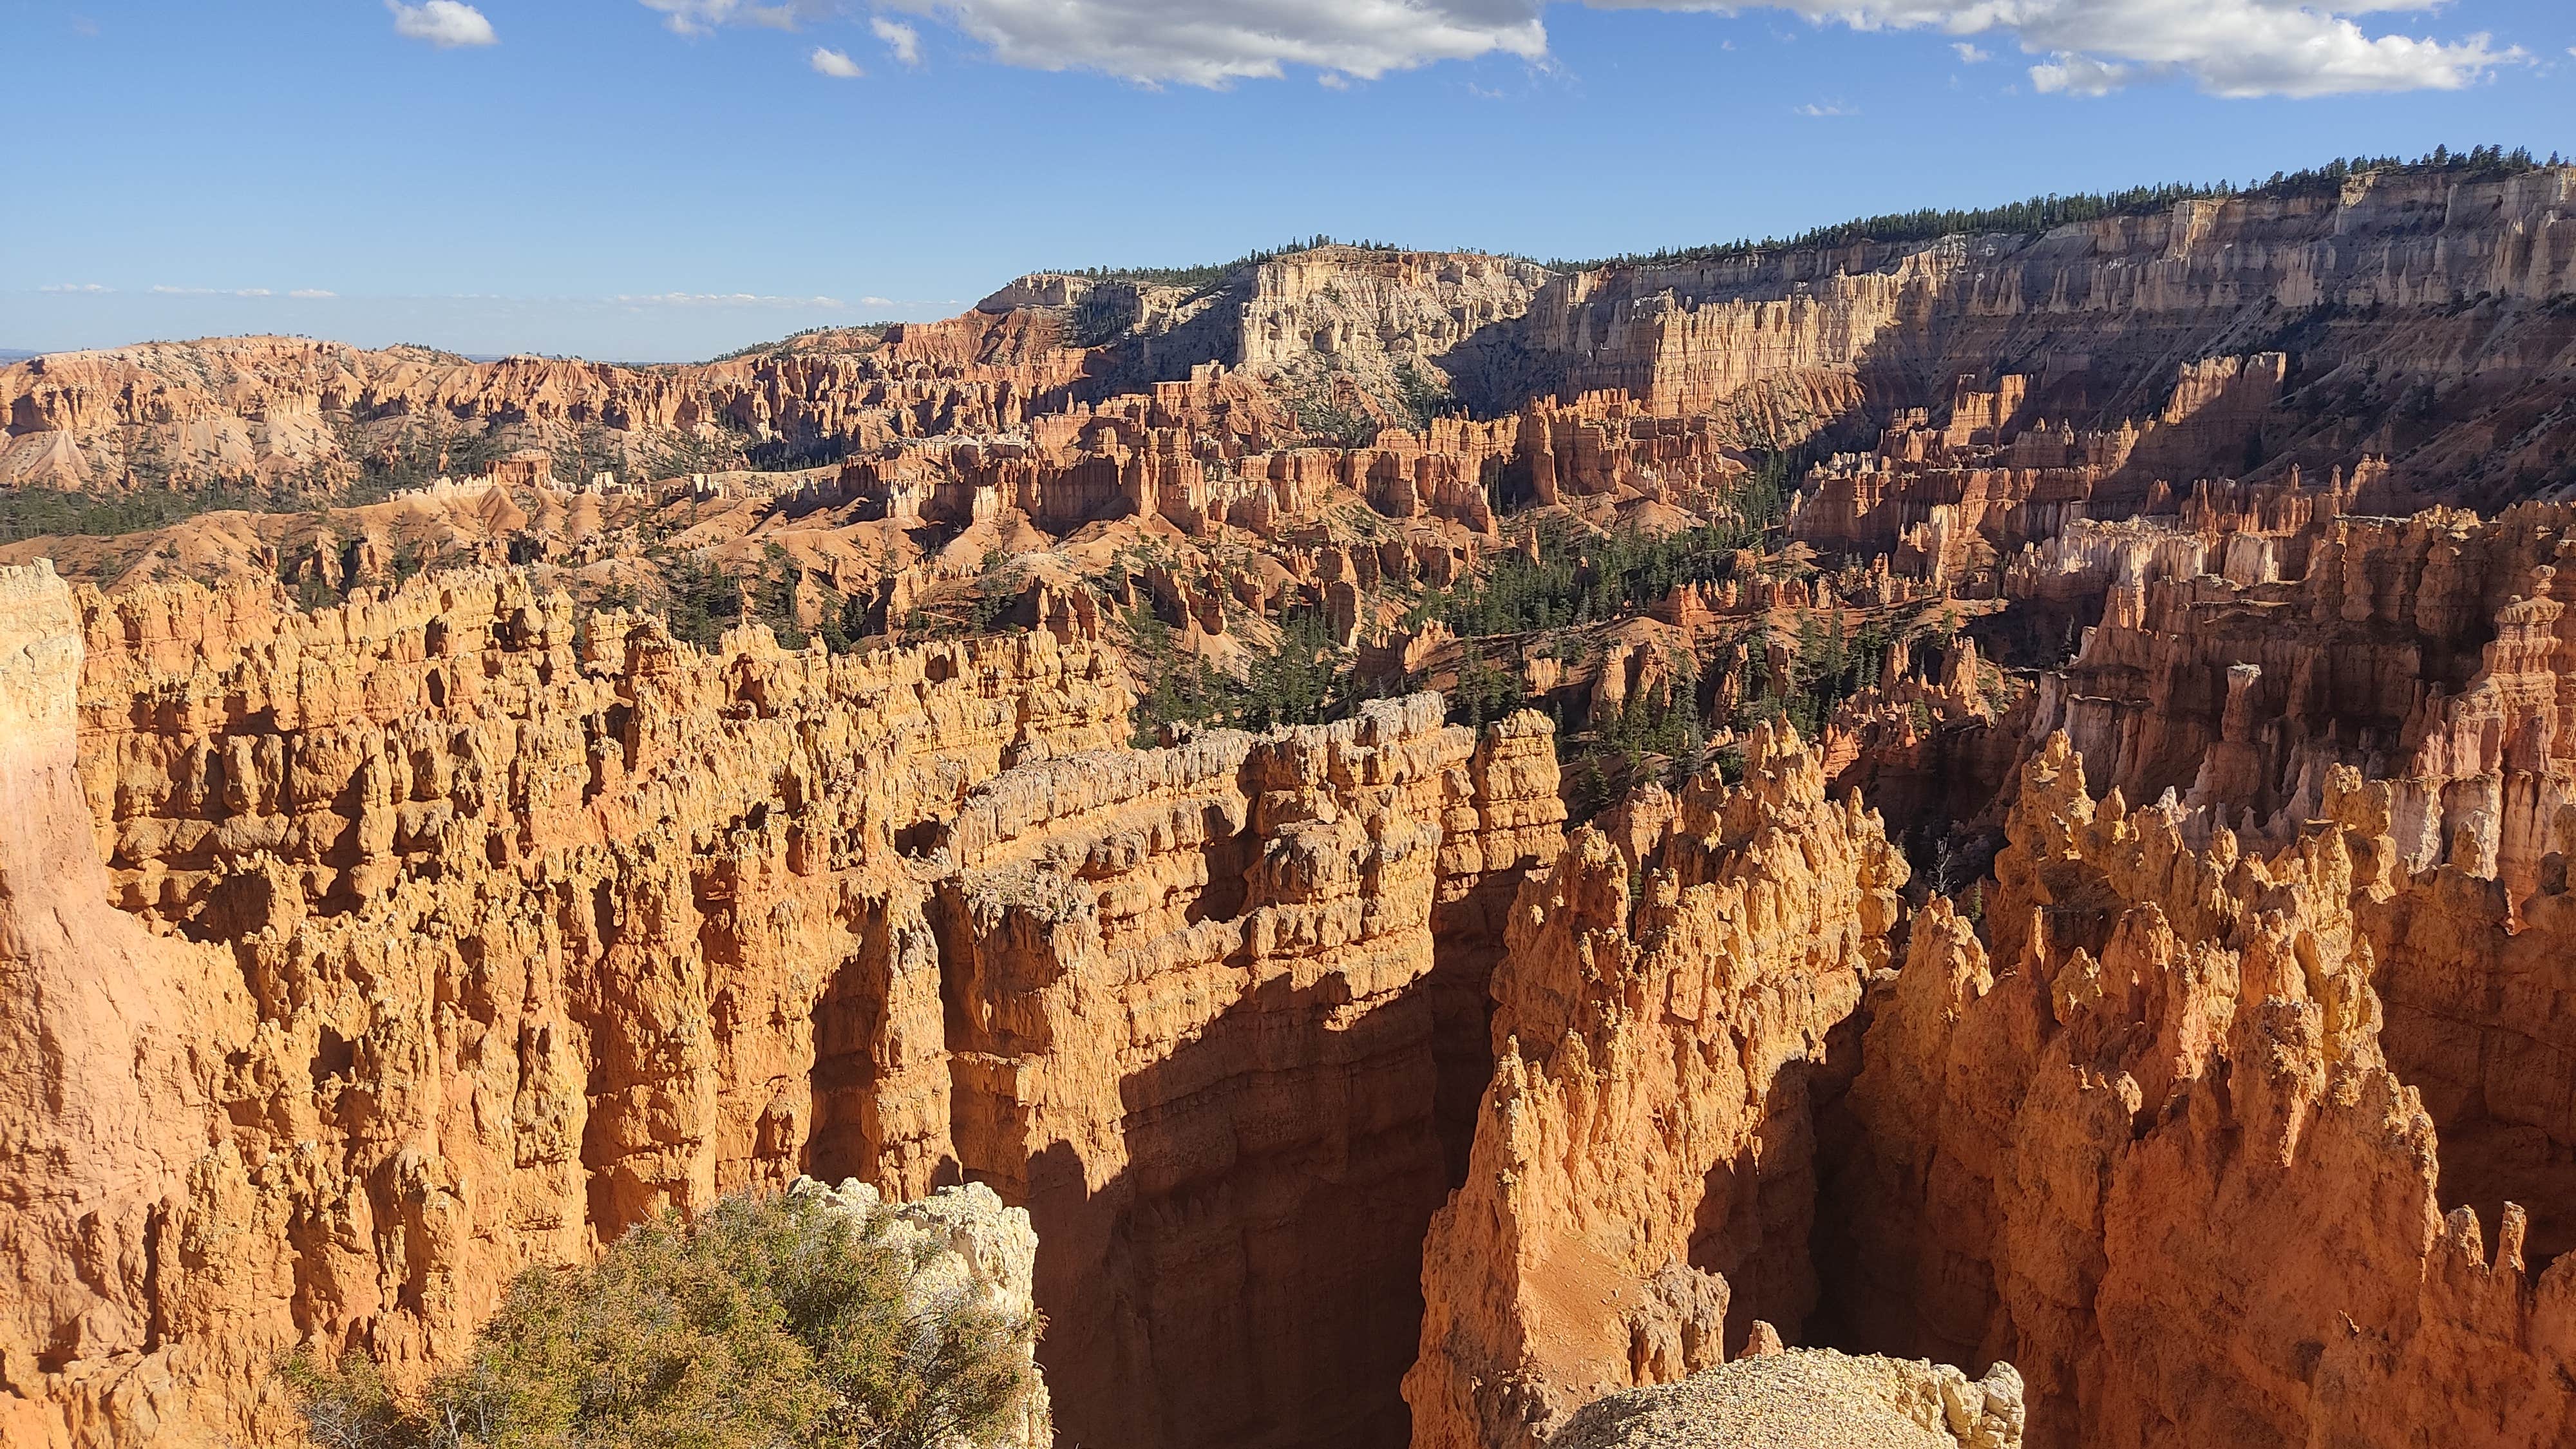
(502, 938)
(461, 931)
(2398, 286)
(2240, 657)
(1642, 1168)
(2149, 1141)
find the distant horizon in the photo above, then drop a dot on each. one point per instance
(681, 329)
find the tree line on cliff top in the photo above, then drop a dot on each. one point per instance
(2035, 214)
(2045, 213)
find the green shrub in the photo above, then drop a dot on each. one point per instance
(761, 1325)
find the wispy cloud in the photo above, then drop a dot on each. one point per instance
(900, 38)
(701, 17)
(313, 294)
(737, 299)
(1827, 108)
(2225, 47)
(2078, 75)
(446, 24)
(834, 63)
(163, 290)
(83, 288)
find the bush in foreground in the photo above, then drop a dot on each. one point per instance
(789, 1321)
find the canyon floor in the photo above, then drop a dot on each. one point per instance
(1960, 835)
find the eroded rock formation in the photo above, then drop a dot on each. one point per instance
(367, 935)
(1813, 1399)
(484, 930)
(2148, 1143)
(1642, 1166)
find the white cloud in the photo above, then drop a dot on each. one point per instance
(2226, 47)
(1828, 108)
(446, 24)
(84, 288)
(168, 291)
(1216, 42)
(698, 17)
(834, 63)
(731, 299)
(2078, 75)
(900, 38)
(313, 294)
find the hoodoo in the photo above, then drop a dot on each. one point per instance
(1953, 834)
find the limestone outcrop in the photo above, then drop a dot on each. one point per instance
(2238, 664)
(2109, 304)
(404, 892)
(455, 938)
(1810, 1399)
(964, 1246)
(1203, 1028)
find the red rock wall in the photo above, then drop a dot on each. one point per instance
(1200, 1024)
(460, 933)
(511, 931)
(1645, 1142)
(2150, 1147)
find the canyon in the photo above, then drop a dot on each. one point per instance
(1968, 830)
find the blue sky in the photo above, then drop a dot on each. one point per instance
(668, 179)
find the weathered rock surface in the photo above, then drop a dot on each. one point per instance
(965, 1247)
(2242, 656)
(2389, 271)
(1809, 1399)
(477, 942)
(2149, 1142)
(1200, 1026)
(460, 932)
(1642, 1165)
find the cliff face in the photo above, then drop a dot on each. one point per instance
(1201, 1026)
(101, 1083)
(2239, 660)
(2443, 287)
(504, 939)
(458, 935)
(2415, 313)
(354, 958)
(1643, 1164)
(290, 408)
(2170, 1033)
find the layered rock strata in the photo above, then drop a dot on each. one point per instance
(1200, 1025)
(2146, 1139)
(2106, 306)
(460, 932)
(1643, 1165)
(2237, 664)
(463, 935)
